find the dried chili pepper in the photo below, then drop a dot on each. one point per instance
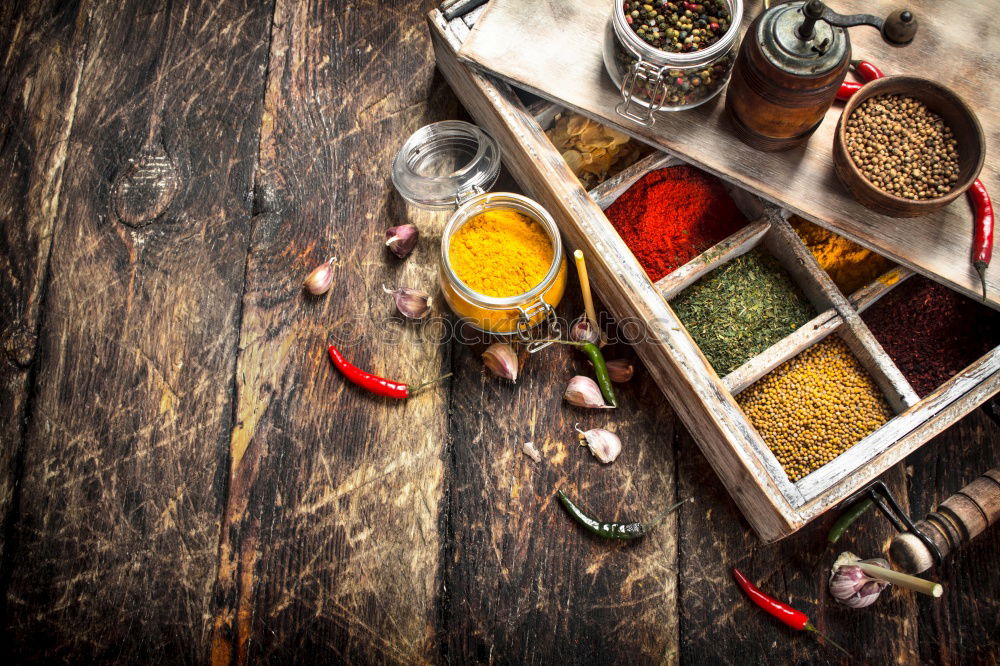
(792, 617)
(374, 383)
(982, 245)
(621, 531)
(847, 519)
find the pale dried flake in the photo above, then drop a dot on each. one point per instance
(529, 450)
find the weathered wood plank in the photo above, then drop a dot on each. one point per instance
(330, 544)
(961, 627)
(36, 115)
(524, 583)
(118, 523)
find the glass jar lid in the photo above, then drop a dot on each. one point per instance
(444, 163)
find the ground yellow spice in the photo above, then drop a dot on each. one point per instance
(501, 253)
(849, 265)
(814, 407)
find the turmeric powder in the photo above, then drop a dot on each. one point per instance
(849, 265)
(501, 253)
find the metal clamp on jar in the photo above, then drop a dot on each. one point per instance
(652, 79)
(453, 164)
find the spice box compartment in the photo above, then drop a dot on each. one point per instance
(773, 505)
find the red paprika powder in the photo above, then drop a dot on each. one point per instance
(672, 215)
(931, 332)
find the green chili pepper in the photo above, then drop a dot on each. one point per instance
(593, 353)
(612, 530)
(847, 519)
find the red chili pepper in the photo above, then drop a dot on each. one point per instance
(795, 619)
(866, 70)
(846, 89)
(982, 245)
(366, 380)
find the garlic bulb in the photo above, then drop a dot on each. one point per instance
(853, 587)
(583, 391)
(604, 444)
(501, 360)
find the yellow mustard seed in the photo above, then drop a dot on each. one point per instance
(814, 407)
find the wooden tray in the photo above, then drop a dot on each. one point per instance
(772, 504)
(553, 48)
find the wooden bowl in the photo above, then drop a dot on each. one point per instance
(942, 101)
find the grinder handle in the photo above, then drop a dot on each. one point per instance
(958, 519)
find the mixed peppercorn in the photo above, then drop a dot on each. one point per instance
(814, 407)
(678, 26)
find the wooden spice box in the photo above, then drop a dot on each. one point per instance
(773, 505)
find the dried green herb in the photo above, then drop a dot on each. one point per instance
(742, 308)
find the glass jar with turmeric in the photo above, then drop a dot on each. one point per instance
(503, 269)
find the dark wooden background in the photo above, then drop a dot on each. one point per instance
(183, 478)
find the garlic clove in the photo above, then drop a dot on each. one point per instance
(582, 331)
(320, 279)
(851, 586)
(620, 370)
(411, 303)
(501, 360)
(604, 444)
(583, 392)
(402, 239)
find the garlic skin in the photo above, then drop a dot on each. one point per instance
(320, 279)
(402, 239)
(620, 370)
(851, 586)
(583, 392)
(582, 331)
(604, 444)
(531, 451)
(411, 303)
(501, 359)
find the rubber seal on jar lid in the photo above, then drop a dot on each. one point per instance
(443, 163)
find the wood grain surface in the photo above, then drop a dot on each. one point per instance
(527, 43)
(183, 477)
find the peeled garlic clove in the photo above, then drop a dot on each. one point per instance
(582, 331)
(620, 370)
(583, 392)
(320, 279)
(411, 303)
(402, 239)
(604, 444)
(851, 586)
(501, 360)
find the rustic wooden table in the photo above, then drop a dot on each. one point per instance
(185, 479)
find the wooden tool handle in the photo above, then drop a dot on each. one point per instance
(958, 519)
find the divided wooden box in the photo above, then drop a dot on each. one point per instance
(772, 504)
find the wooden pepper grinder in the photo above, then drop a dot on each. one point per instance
(791, 63)
(957, 520)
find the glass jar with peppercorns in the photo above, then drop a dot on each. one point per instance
(670, 55)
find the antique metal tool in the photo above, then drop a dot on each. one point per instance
(791, 63)
(957, 520)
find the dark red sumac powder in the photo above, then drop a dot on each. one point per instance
(931, 332)
(672, 215)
